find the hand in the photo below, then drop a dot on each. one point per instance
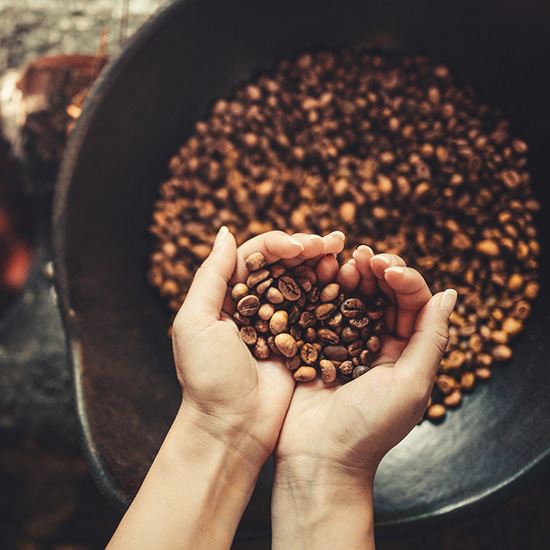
(335, 435)
(226, 391)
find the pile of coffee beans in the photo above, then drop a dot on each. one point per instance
(393, 152)
(319, 331)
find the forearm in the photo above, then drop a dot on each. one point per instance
(193, 496)
(316, 508)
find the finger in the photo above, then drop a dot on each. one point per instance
(378, 265)
(368, 284)
(348, 276)
(326, 269)
(411, 294)
(333, 244)
(208, 290)
(313, 246)
(274, 245)
(417, 367)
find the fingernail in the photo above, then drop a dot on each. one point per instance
(337, 234)
(448, 301)
(366, 248)
(396, 269)
(351, 262)
(220, 237)
(296, 241)
(386, 258)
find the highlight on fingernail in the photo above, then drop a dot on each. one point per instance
(220, 237)
(448, 301)
(396, 269)
(338, 234)
(295, 241)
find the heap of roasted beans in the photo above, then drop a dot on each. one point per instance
(389, 150)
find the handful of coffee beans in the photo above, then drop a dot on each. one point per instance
(318, 330)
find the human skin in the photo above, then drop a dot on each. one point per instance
(231, 412)
(334, 436)
(234, 406)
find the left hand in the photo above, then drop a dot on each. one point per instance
(225, 390)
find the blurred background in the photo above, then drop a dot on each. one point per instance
(54, 50)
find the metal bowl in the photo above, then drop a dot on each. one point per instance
(144, 106)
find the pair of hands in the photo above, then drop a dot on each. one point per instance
(346, 428)
(236, 410)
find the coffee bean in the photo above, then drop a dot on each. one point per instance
(266, 311)
(257, 277)
(346, 367)
(248, 305)
(261, 349)
(293, 363)
(360, 370)
(305, 374)
(330, 292)
(289, 288)
(286, 344)
(278, 322)
(327, 336)
(274, 295)
(352, 308)
(338, 353)
(373, 344)
(328, 371)
(308, 354)
(255, 261)
(239, 291)
(249, 335)
(324, 311)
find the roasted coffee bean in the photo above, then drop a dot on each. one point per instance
(274, 295)
(240, 290)
(289, 288)
(359, 370)
(286, 344)
(266, 311)
(365, 357)
(263, 286)
(255, 261)
(272, 346)
(240, 319)
(293, 363)
(305, 374)
(324, 311)
(328, 371)
(359, 322)
(335, 321)
(355, 348)
(248, 305)
(325, 335)
(257, 277)
(261, 325)
(249, 335)
(307, 319)
(330, 292)
(338, 353)
(373, 344)
(309, 354)
(349, 334)
(352, 308)
(278, 322)
(261, 349)
(346, 367)
(435, 412)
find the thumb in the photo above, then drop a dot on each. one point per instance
(419, 362)
(207, 292)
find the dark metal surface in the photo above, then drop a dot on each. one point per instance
(141, 110)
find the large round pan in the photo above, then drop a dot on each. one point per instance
(145, 105)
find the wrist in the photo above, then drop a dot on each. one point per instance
(194, 494)
(321, 505)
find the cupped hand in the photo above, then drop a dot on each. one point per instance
(225, 390)
(349, 428)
